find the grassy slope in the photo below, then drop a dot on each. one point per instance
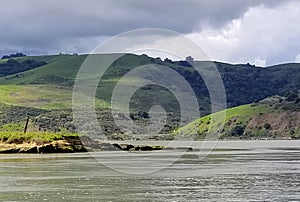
(44, 87)
(40, 96)
(37, 96)
(243, 83)
(22, 90)
(65, 68)
(43, 137)
(62, 71)
(58, 66)
(241, 114)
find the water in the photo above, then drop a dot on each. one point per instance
(235, 171)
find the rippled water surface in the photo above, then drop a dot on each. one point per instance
(234, 171)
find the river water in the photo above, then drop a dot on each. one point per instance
(233, 171)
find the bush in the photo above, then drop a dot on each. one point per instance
(291, 96)
(237, 131)
(267, 126)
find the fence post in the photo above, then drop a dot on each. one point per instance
(26, 124)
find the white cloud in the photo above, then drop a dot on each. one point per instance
(259, 62)
(297, 59)
(262, 36)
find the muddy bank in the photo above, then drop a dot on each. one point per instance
(70, 145)
(59, 146)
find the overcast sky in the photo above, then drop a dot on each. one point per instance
(262, 32)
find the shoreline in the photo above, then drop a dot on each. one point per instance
(59, 146)
(72, 144)
(85, 144)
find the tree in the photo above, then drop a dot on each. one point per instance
(189, 59)
(5, 57)
(168, 60)
(291, 97)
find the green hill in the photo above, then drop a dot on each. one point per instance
(274, 117)
(58, 70)
(49, 87)
(243, 83)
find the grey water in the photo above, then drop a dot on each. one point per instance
(232, 171)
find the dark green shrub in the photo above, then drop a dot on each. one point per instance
(237, 130)
(267, 126)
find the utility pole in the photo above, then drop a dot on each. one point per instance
(26, 124)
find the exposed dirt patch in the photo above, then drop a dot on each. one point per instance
(284, 123)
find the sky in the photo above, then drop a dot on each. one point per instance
(261, 32)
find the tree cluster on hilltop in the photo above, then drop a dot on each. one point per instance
(14, 55)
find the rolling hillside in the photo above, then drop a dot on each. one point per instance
(58, 70)
(274, 117)
(49, 88)
(243, 83)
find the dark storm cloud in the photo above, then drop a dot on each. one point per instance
(45, 26)
(41, 27)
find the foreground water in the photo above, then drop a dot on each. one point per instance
(234, 171)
